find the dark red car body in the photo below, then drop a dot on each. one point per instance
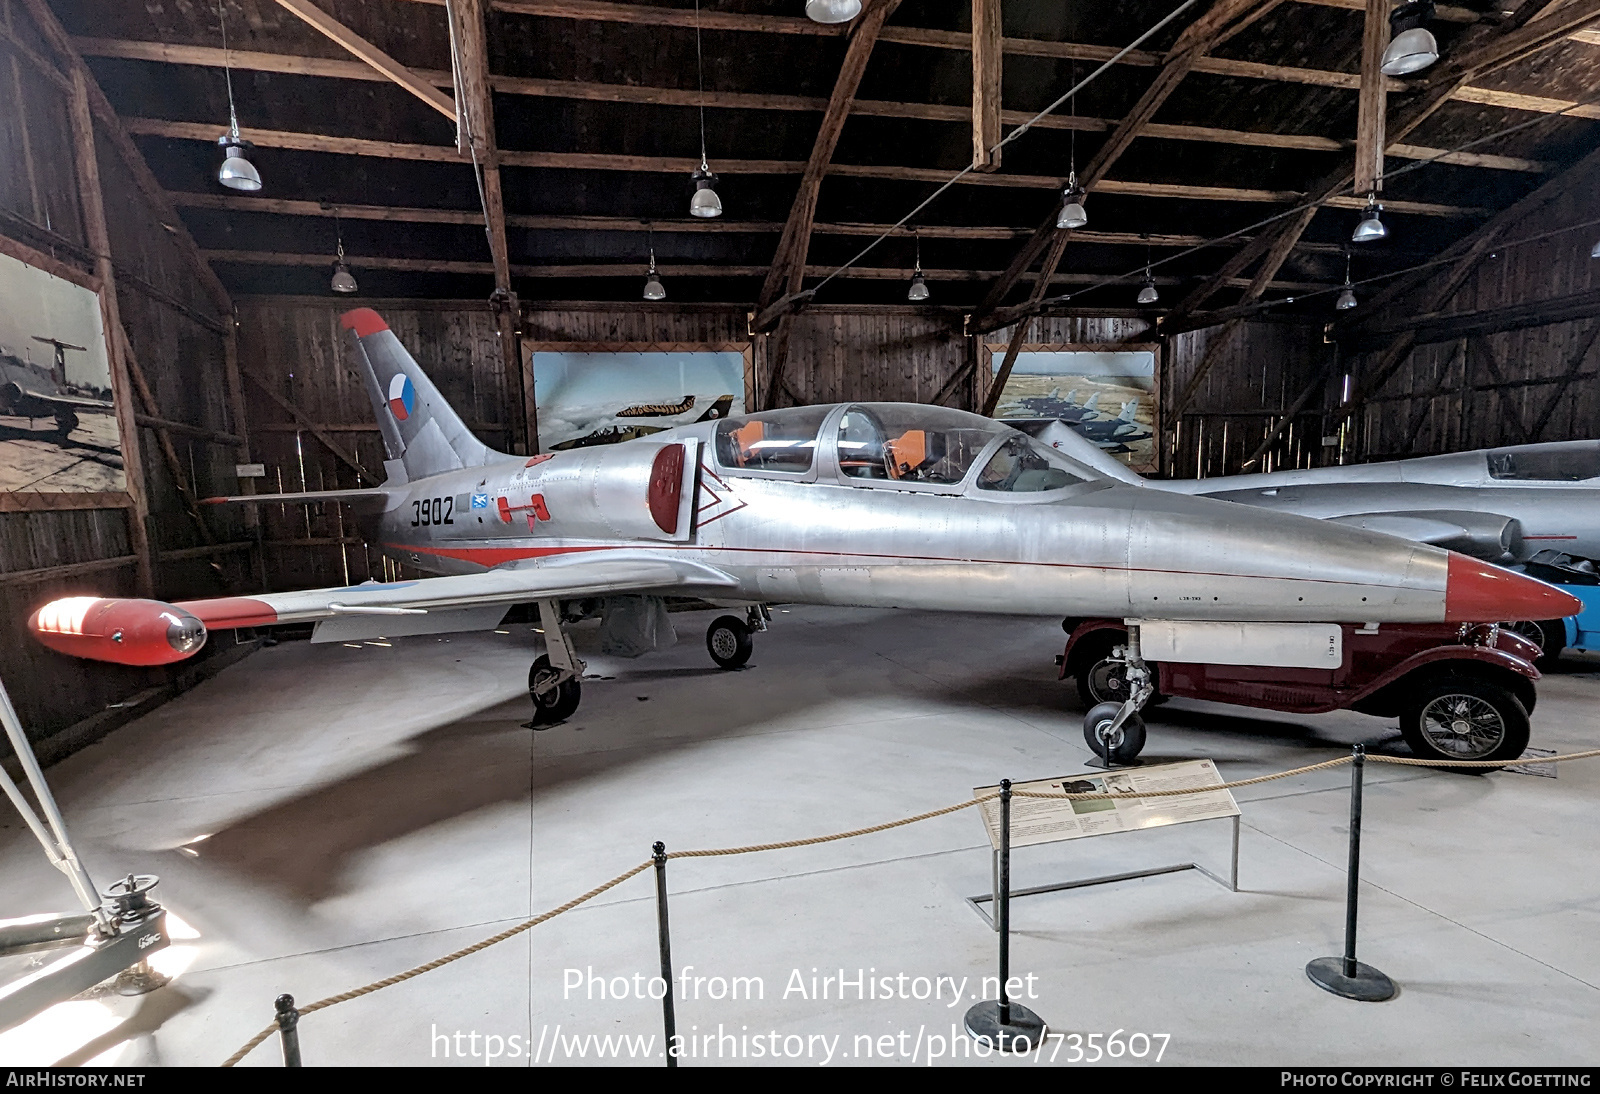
(1381, 667)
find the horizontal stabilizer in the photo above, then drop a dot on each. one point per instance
(308, 497)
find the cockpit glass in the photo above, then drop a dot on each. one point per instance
(911, 444)
(1565, 462)
(1023, 465)
(776, 440)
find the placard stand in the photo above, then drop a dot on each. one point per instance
(1051, 820)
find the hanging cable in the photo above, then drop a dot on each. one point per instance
(1008, 138)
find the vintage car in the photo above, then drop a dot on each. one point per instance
(1461, 691)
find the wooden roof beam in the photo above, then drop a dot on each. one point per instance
(288, 64)
(785, 276)
(380, 61)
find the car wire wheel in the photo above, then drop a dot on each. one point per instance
(1464, 727)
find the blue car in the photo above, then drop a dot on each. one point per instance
(1581, 578)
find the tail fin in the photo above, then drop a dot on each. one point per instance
(1130, 410)
(1093, 403)
(421, 433)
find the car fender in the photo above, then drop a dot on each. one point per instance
(1086, 629)
(1515, 672)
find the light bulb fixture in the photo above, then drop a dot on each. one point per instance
(653, 288)
(1148, 294)
(1371, 227)
(1594, 252)
(1347, 297)
(342, 281)
(832, 11)
(1073, 214)
(918, 291)
(704, 203)
(236, 172)
(1412, 46)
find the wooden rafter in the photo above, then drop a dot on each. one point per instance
(587, 91)
(796, 237)
(986, 73)
(1219, 22)
(1481, 48)
(1374, 96)
(380, 61)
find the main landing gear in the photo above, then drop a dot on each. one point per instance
(728, 639)
(553, 680)
(1113, 730)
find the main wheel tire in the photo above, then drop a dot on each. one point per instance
(66, 420)
(1460, 718)
(557, 704)
(1126, 743)
(728, 641)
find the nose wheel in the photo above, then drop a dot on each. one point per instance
(1113, 730)
(553, 679)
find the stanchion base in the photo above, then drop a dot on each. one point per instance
(983, 1025)
(1368, 984)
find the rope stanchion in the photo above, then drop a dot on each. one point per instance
(717, 852)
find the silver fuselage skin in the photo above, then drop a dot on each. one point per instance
(1106, 546)
(1560, 513)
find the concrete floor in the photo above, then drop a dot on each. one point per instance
(325, 816)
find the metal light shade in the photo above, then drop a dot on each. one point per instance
(832, 11)
(705, 202)
(653, 288)
(1594, 252)
(1347, 299)
(1073, 214)
(1411, 51)
(343, 281)
(1149, 294)
(1371, 227)
(237, 172)
(919, 288)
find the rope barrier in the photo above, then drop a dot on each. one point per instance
(716, 852)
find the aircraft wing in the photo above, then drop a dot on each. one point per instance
(569, 577)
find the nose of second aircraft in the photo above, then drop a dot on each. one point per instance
(1476, 592)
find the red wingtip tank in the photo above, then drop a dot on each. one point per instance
(123, 632)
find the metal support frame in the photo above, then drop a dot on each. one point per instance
(999, 885)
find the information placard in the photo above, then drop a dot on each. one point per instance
(1048, 820)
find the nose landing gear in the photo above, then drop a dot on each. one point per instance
(1114, 731)
(553, 680)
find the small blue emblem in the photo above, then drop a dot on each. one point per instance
(480, 501)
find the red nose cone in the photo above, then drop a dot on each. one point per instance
(1476, 592)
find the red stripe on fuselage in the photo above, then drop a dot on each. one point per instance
(224, 612)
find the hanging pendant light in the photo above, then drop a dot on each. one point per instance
(343, 281)
(1371, 227)
(832, 11)
(705, 202)
(1148, 294)
(1412, 47)
(236, 172)
(1073, 214)
(653, 288)
(1347, 297)
(918, 291)
(1594, 252)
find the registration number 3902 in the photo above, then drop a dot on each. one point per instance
(428, 511)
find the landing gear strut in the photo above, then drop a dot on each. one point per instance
(728, 639)
(553, 680)
(1114, 731)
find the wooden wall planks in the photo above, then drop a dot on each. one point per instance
(1505, 388)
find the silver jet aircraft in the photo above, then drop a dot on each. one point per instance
(871, 504)
(1498, 504)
